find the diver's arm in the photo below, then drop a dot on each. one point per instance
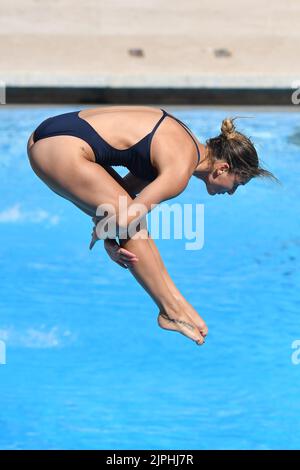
(167, 185)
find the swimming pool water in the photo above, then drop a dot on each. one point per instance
(86, 365)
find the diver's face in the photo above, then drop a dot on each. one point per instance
(220, 181)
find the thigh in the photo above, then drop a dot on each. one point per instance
(72, 176)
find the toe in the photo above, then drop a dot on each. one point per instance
(203, 330)
(200, 340)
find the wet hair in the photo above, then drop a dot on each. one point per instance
(238, 151)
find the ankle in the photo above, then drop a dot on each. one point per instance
(174, 308)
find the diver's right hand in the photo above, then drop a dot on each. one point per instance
(118, 254)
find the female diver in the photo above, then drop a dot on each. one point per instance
(72, 153)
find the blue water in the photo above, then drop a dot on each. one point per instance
(86, 365)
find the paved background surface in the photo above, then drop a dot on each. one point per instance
(86, 43)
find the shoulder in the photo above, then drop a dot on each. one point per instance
(175, 151)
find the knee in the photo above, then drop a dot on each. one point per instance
(115, 220)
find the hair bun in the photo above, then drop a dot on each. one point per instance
(228, 128)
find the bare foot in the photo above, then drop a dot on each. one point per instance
(194, 316)
(182, 323)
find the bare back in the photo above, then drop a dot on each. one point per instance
(123, 126)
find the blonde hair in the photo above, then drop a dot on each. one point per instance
(228, 128)
(237, 150)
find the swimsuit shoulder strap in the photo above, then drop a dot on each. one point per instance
(160, 120)
(185, 127)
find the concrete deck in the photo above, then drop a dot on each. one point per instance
(234, 45)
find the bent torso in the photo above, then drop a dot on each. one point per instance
(124, 126)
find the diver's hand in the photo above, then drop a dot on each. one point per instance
(94, 238)
(94, 234)
(121, 256)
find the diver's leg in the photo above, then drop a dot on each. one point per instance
(86, 182)
(194, 315)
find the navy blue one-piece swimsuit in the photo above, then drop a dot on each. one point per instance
(135, 158)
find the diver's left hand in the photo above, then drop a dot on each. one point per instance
(94, 234)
